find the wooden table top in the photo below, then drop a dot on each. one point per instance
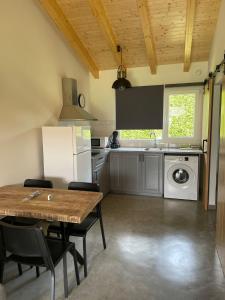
(66, 205)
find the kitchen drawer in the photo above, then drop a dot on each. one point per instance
(98, 161)
(100, 172)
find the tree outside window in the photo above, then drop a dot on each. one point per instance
(181, 115)
(143, 134)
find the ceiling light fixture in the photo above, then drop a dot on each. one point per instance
(121, 83)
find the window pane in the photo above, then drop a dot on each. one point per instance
(181, 115)
(139, 134)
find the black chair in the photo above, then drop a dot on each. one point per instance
(39, 183)
(20, 221)
(82, 229)
(27, 245)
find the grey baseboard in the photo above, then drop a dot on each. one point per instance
(212, 207)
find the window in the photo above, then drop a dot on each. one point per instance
(182, 115)
(139, 134)
(182, 118)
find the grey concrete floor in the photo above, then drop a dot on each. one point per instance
(156, 250)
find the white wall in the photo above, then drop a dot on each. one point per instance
(103, 96)
(33, 58)
(218, 45)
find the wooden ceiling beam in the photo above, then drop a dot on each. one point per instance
(57, 15)
(190, 15)
(99, 12)
(148, 35)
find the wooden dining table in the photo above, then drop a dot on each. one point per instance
(65, 206)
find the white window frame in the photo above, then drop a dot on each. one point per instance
(196, 139)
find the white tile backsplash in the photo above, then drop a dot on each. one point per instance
(106, 127)
(102, 127)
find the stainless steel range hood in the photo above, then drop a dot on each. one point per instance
(70, 110)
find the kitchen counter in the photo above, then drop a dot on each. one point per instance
(157, 150)
(135, 170)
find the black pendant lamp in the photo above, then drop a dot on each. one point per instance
(121, 83)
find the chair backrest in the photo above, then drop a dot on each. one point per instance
(41, 183)
(25, 241)
(84, 186)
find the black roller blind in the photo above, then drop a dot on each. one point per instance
(140, 107)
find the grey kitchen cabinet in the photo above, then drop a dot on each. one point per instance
(115, 172)
(124, 172)
(151, 179)
(130, 169)
(104, 180)
(100, 172)
(136, 173)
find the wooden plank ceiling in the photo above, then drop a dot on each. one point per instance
(151, 32)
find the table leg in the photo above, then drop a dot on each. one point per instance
(66, 238)
(63, 230)
(1, 271)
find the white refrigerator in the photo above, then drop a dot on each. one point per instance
(67, 154)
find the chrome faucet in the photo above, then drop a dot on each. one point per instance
(154, 136)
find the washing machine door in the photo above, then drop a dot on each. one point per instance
(180, 175)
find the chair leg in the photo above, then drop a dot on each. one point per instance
(52, 285)
(80, 259)
(102, 228)
(85, 256)
(20, 269)
(65, 276)
(1, 271)
(74, 252)
(37, 272)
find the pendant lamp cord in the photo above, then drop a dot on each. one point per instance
(119, 49)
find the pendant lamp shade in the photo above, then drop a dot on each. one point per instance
(121, 83)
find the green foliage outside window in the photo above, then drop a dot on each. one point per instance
(181, 115)
(143, 134)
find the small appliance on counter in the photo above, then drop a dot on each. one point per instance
(113, 140)
(99, 142)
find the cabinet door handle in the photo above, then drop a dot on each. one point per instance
(141, 157)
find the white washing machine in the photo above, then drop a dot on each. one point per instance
(181, 177)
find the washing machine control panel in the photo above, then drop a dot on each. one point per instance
(183, 158)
